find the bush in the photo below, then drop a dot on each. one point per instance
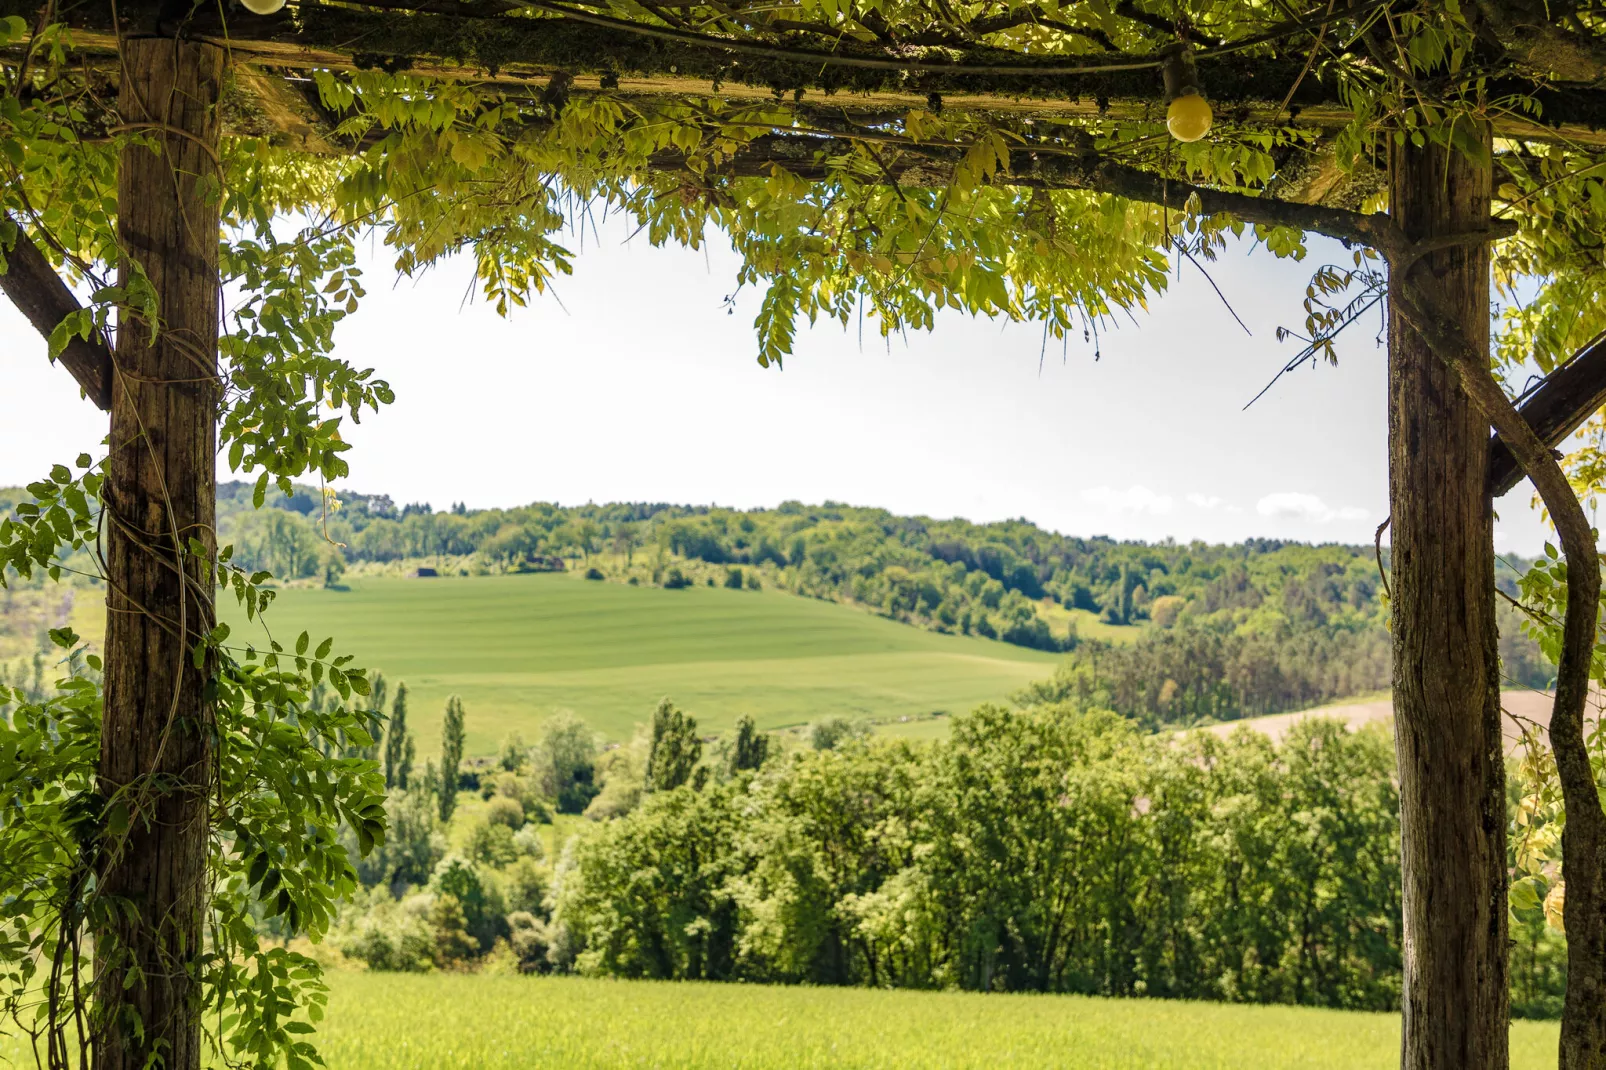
(492, 845)
(530, 941)
(733, 579)
(528, 842)
(832, 733)
(453, 943)
(503, 810)
(594, 573)
(525, 885)
(675, 580)
(565, 763)
(389, 935)
(515, 755)
(459, 879)
(1165, 609)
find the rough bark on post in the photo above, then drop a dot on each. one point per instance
(1446, 667)
(160, 493)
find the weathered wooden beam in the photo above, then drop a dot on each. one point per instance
(501, 50)
(40, 295)
(263, 103)
(1049, 167)
(1569, 395)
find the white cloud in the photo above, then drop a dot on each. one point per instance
(1290, 505)
(1204, 501)
(1134, 499)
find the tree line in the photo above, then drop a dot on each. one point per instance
(1226, 630)
(1045, 846)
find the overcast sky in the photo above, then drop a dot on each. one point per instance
(635, 383)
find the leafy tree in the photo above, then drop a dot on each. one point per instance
(565, 763)
(673, 750)
(751, 747)
(399, 746)
(459, 880)
(833, 732)
(411, 849)
(515, 754)
(452, 736)
(651, 896)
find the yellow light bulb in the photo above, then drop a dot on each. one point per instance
(1188, 117)
(262, 7)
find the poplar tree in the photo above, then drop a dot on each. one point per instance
(398, 743)
(451, 755)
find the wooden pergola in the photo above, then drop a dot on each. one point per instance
(1046, 75)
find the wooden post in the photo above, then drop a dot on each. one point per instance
(160, 493)
(1446, 668)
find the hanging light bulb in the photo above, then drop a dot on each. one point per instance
(1187, 113)
(262, 7)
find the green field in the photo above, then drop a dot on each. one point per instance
(445, 1022)
(518, 647)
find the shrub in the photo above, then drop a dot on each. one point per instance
(530, 941)
(515, 754)
(492, 845)
(1165, 609)
(453, 943)
(458, 878)
(505, 811)
(675, 580)
(832, 733)
(528, 842)
(594, 573)
(733, 578)
(565, 763)
(390, 936)
(525, 886)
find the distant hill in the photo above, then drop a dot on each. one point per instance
(519, 647)
(1012, 579)
(1167, 633)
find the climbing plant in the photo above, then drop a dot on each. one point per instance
(884, 159)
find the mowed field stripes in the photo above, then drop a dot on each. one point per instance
(519, 647)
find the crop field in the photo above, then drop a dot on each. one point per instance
(518, 647)
(446, 1022)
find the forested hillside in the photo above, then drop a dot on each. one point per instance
(1163, 632)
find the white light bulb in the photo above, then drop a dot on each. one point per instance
(262, 7)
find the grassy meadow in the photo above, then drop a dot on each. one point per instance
(517, 647)
(447, 1022)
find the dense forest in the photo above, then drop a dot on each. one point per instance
(1045, 847)
(1205, 632)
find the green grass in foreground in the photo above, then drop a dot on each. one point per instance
(519, 647)
(393, 1022)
